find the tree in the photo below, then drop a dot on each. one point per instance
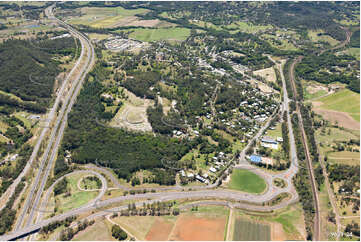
(118, 233)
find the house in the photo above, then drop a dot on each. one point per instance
(182, 173)
(13, 157)
(279, 139)
(267, 161)
(201, 179)
(205, 175)
(212, 169)
(190, 175)
(255, 158)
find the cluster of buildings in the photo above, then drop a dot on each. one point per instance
(117, 44)
(260, 159)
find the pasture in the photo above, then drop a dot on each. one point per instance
(268, 74)
(315, 37)
(149, 35)
(246, 181)
(107, 17)
(99, 231)
(342, 106)
(247, 230)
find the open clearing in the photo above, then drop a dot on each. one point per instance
(107, 17)
(268, 74)
(77, 197)
(314, 36)
(149, 35)
(342, 107)
(209, 223)
(99, 231)
(133, 114)
(246, 181)
(246, 230)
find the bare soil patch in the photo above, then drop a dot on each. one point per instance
(193, 228)
(343, 119)
(268, 73)
(160, 230)
(277, 233)
(144, 23)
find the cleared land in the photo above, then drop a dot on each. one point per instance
(107, 17)
(148, 35)
(342, 107)
(208, 223)
(75, 198)
(268, 74)
(319, 36)
(246, 230)
(246, 181)
(99, 231)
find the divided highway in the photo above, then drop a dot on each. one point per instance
(77, 75)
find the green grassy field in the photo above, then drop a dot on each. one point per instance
(355, 52)
(248, 27)
(77, 197)
(246, 181)
(105, 17)
(343, 101)
(326, 38)
(277, 132)
(149, 35)
(246, 230)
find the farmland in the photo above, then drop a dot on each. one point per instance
(246, 230)
(342, 107)
(246, 181)
(149, 35)
(320, 36)
(106, 17)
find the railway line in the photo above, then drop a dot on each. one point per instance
(317, 222)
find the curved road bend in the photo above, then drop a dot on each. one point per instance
(71, 95)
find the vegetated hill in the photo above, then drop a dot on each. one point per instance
(28, 70)
(90, 140)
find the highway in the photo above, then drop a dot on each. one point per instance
(236, 199)
(56, 135)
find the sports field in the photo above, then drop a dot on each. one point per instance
(246, 181)
(149, 35)
(343, 101)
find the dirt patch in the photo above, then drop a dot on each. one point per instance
(144, 23)
(343, 119)
(193, 228)
(277, 233)
(268, 73)
(315, 88)
(160, 230)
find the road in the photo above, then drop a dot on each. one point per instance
(317, 225)
(317, 219)
(46, 127)
(56, 135)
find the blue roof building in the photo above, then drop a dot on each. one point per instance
(255, 158)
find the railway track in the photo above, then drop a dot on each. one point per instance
(317, 222)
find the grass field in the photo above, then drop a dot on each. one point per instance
(106, 17)
(355, 52)
(248, 27)
(246, 181)
(99, 231)
(277, 132)
(246, 230)
(326, 38)
(343, 101)
(149, 35)
(77, 197)
(345, 157)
